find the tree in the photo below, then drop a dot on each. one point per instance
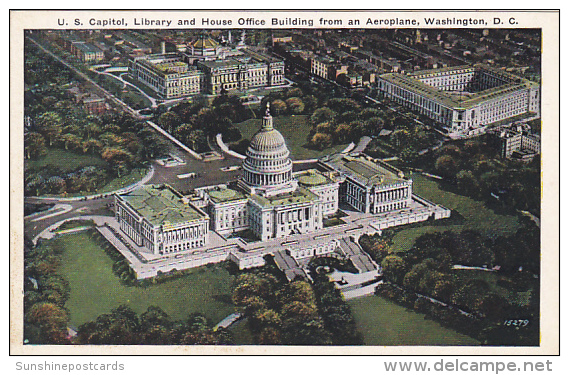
(294, 92)
(492, 306)
(446, 166)
(265, 318)
(322, 115)
(249, 285)
(409, 155)
(278, 107)
(169, 121)
(50, 126)
(92, 146)
(52, 322)
(296, 291)
(34, 145)
(341, 105)
(310, 103)
(373, 125)
(295, 105)
(321, 141)
(91, 130)
(118, 159)
(196, 140)
(56, 185)
(394, 268)
(343, 133)
(468, 183)
(443, 290)
(71, 142)
(270, 336)
(154, 316)
(325, 127)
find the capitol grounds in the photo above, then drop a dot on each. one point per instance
(208, 289)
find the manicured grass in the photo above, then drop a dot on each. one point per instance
(117, 183)
(295, 130)
(67, 161)
(384, 323)
(475, 214)
(95, 290)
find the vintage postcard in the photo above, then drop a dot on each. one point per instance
(284, 182)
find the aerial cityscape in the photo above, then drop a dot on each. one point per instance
(375, 187)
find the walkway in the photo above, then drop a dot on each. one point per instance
(359, 258)
(362, 144)
(356, 285)
(58, 209)
(288, 265)
(174, 140)
(125, 83)
(229, 320)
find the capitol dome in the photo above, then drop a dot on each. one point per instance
(267, 163)
(268, 140)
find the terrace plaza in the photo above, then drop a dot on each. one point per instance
(269, 210)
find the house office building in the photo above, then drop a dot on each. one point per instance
(464, 99)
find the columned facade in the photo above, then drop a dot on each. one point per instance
(268, 164)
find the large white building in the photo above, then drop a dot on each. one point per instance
(269, 199)
(174, 75)
(160, 220)
(369, 185)
(464, 99)
(168, 75)
(269, 210)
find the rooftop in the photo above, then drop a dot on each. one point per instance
(363, 170)
(448, 98)
(205, 43)
(312, 177)
(160, 204)
(442, 70)
(87, 48)
(299, 196)
(221, 195)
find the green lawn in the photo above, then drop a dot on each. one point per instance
(295, 130)
(95, 290)
(67, 161)
(476, 215)
(384, 323)
(119, 182)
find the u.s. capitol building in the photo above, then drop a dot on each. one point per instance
(272, 202)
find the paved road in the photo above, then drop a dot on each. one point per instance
(37, 223)
(105, 93)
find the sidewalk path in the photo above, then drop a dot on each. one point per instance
(58, 209)
(174, 140)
